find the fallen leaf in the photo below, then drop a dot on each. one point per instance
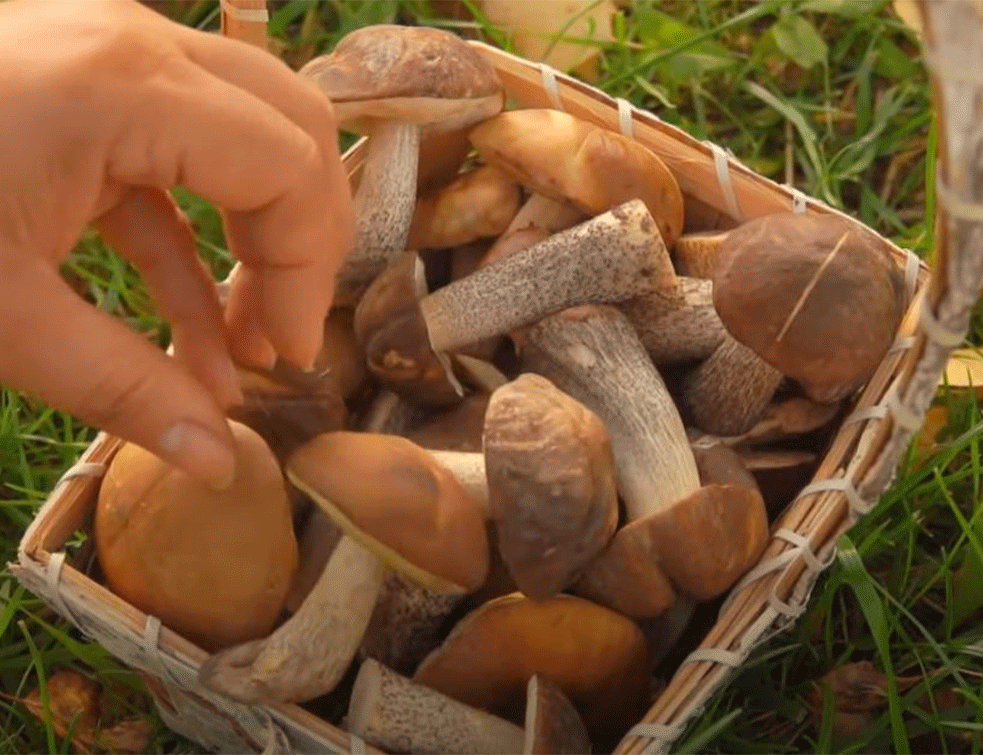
(926, 441)
(74, 702)
(964, 370)
(534, 28)
(858, 687)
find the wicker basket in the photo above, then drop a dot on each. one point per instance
(856, 469)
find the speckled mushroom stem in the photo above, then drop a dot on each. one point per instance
(692, 331)
(309, 653)
(384, 204)
(398, 715)
(594, 355)
(728, 393)
(610, 258)
(405, 623)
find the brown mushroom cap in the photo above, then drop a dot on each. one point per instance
(213, 566)
(390, 495)
(564, 157)
(340, 358)
(552, 488)
(816, 296)
(459, 428)
(415, 74)
(596, 656)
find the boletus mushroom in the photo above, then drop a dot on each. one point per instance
(598, 657)
(398, 510)
(214, 566)
(552, 723)
(390, 81)
(698, 539)
(815, 298)
(552, 490)
(406, 333)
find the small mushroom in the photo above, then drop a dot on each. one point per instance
(552, 724)
(552, 491)
(406, 333)
(390, 81)
(340, 358)
(396, 714)
(569, 159)
(397, 509)
(782, 419)
(701, 538)
(479, 203)
(459, 428)
(816, 297)
(596, 656)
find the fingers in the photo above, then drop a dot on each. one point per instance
(83, 361)
(289, 209)
(148, 228)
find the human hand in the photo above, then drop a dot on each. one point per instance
(105, 105)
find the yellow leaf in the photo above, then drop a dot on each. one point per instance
(535, 25)
(964, 370)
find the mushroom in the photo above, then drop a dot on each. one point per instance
(569, 159)
(700, 539)
(553, 725)
(552, 491)
(478, 203)
(391, 81)
(815, 298)
(459, 428)
(598, 657)
(614, 257)
(340, 358)
(161, 537)
(398, 510)
(396, 714)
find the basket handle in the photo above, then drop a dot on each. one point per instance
(246, 20)
(953, 55)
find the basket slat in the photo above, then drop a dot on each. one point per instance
(803, 537)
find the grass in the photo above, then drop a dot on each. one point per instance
(827, 95)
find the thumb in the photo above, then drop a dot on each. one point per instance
(79, 359)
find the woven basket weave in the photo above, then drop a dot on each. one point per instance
(857, 468)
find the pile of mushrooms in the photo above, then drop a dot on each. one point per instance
(546, 426)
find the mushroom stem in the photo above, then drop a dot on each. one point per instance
(309, 653)
(611, 258)
(695, 254)
(384, 204)
(398, 715)
(405, 623)
(594, 355)
(728, 393)
(688, 333)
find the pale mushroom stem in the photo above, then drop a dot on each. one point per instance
(384, 204)
(469, 469)
(309, 653)
(689, 333)
(610, 258)
(729, 392)
(594, 355)
(394, 713)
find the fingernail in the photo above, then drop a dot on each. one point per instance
(198, 451)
